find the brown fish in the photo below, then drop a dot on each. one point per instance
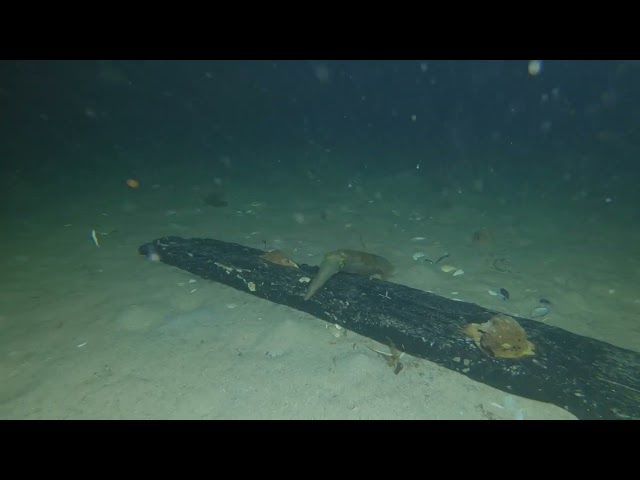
(349, 261)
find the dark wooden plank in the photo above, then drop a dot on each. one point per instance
(589, 378)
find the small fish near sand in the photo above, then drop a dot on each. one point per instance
(349, 261)
(215, 199)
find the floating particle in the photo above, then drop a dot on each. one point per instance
(535, 67)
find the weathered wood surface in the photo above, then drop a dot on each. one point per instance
(589, 378)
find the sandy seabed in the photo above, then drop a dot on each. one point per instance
(91, 332)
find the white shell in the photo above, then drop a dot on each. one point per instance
(539, 312)
(418, 255)
(458, 272)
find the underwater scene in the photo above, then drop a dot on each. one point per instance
(320, 239)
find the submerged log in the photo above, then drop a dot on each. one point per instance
(587, 377)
